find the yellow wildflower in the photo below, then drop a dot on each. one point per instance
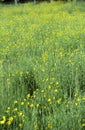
(31, 105)
(83, 125)
(15, 109)
(76, 104)
(57, 83)
(49, 100)
(83, 98)
(15, 102)
(28, 95)
(8, 108)
(24, 99)
(49, 86)
(20, 125)
(37, 105)
(20, 114)
(59, 100)
(75, 94)
(49, 126)
(3, 121)
(10, 120)
(0, 62)
(56, 90)
(78, 99)
(22, 103)
(36, 126)
(42, 91)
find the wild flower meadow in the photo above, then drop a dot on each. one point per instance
(42, 66)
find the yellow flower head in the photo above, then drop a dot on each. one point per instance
(56, 90)
(57, 83)
(15, 102)
(83, 125)
(28, 95)
(20, 125)
(15, 109)
(31, 105)
(59, 100)
(3, 120)
(20, 114)
(37, 105)
(10, 120)
(49, 99)
(22, 103)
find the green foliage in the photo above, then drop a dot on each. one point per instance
(42, 60)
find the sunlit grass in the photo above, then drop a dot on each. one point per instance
(42, 61)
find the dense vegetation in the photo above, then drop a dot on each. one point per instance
(35, 1)
(42, 66)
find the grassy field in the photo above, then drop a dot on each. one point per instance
(42, 66)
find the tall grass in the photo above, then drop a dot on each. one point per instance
(42, 60)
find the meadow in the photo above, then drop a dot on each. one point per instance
(42, 60)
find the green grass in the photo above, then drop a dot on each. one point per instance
(42, 61)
